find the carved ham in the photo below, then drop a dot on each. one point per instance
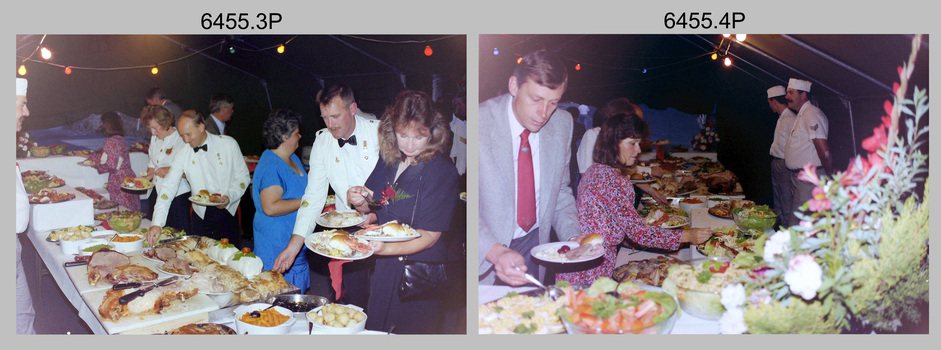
(103, 262)
(151, 302)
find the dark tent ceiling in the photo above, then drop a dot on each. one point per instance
(852, 76)
(112, 72)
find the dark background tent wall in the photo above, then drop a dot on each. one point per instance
(852, 76)
(194, 67)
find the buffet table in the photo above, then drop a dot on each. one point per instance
(67, 168)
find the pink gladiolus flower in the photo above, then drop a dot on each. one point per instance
(877, 140)
(819, 202)
(809, 174)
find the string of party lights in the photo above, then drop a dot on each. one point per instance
(154, 69)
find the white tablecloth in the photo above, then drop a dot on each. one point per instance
(51, 216)
(67, 168)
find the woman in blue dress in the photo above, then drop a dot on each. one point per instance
(417, 185)
(277, 186)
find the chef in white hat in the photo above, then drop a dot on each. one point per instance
(806, 143)
(780, 174)
(25, 314)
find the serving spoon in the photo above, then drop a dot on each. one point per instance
(552, 291)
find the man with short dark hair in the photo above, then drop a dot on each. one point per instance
(343, 155)
(220, 112)
(156, 97)
(780, 174)
(524, 165)
(806, 143)
(212, 163)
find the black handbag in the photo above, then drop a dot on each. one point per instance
(423, 280)
(431, 280)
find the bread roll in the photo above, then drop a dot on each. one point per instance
(591, 238)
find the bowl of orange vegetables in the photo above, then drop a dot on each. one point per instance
(263, 318)
(609, 307)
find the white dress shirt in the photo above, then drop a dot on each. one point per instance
(809, 124)
(781, 130)
(340, 168)
(459, 144)
(161, 154)
(586, 147)
(22, 203)
(220, 169)
(515, 130)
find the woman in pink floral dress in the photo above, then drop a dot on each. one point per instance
(117, 161)
(606, 198)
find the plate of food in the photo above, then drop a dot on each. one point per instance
(56, 182)
(675, 222)
(46, 196)
(340, 219)
(588, 248)
(170, 269)
(104, 203)
(331, 200)
(208, 199)
(391, 231)
(202, 328)
(136, 184)
(88, 162)
(727, 242)
(721, 210)
(648, 271)
(166, 233)
(84, 231)
(252, 159)
(338, 244)
(642, 178)
(531, 312)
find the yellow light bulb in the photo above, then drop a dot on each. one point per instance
(22, 70)
(728, 62)
(281, 48)
(715, 56)
(519, 60)
(154, 70)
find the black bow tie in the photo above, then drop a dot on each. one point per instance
(203, 147)
(351, 140)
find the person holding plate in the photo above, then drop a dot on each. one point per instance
(416, 184)
(277, 188)
(212, 163)
(116, 161)
(605, 201)
(165, 144)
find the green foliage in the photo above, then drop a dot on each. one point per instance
(798, 317)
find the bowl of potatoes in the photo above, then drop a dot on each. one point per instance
(337, 319)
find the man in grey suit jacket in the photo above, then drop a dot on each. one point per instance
(221, 108)
(156, 97)
(535, 89)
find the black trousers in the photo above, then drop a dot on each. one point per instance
(217, 224)
(178, 216)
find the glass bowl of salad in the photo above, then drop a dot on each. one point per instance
(759, 218)
(698, 283)
(606, 307)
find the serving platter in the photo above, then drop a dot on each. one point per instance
(206, 204)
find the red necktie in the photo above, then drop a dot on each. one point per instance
(525, 187)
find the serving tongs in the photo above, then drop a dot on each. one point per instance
(140, 292)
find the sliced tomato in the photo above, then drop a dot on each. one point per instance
(721, 269)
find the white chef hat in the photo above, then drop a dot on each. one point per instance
(798, 84)
(776, 91)
(21, 87)
(583, 109)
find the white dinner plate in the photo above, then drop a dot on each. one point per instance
(137, 188)
(686, 193)
(685, 222)
(643, 181)
(554, 247)
(387, 238)
(207, 204)
(316, 236)
(322, 222)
